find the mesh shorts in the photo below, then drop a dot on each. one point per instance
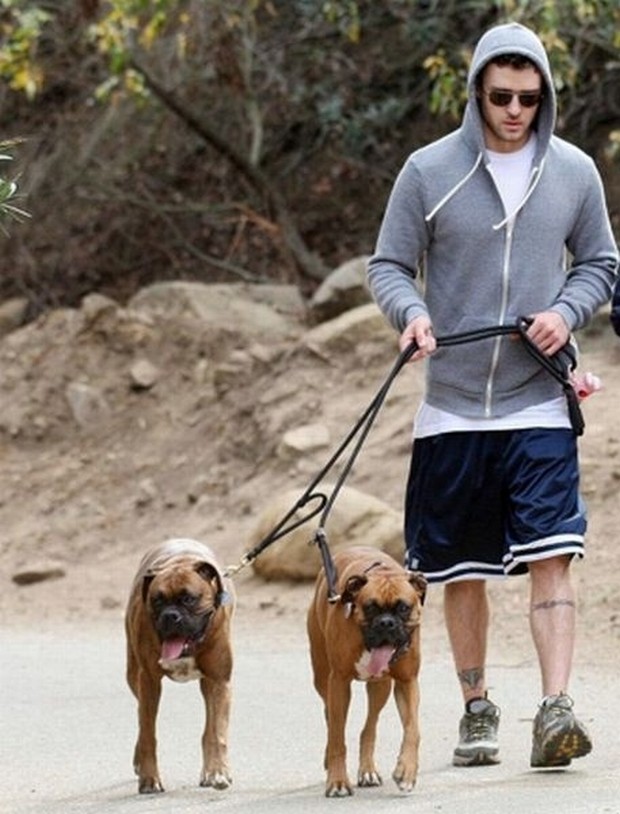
(484, 504)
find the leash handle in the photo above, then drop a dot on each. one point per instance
(559, 367)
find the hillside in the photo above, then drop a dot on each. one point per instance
(120, 426)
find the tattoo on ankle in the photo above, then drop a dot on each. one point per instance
(471, 678)
(549, 604)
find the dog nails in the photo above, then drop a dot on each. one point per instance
(368, 779)
(150, 785)
(406, 786)
(216, 780)
(339, 788)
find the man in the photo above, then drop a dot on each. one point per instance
(615, 309)
(508, 221)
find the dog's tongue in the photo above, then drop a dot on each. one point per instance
(171, 649)
(380, 659)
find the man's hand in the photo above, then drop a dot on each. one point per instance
(548, 332)
(419, 330)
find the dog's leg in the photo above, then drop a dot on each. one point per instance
(338, 700)
(407, 695)
(132, 669)
(320, 665)
(148, 691)
(377, 693)
(320, 671)
(215, 771)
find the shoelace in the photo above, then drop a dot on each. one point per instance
(480, 725)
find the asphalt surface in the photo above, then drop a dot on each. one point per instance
(68, 725)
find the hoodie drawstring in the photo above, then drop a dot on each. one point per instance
(536, 173)
(454, 189)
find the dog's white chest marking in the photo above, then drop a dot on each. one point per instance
(374, 663)
(182, 669)
(361, 666)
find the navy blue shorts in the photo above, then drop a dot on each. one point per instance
(484, 504)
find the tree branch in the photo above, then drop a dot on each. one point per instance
(308, 263)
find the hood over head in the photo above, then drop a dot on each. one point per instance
(511, 38)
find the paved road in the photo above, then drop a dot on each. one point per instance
(67, 727)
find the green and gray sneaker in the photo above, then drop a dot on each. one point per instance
(478, 727)
(558, 736)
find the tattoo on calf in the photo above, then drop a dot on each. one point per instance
(471, 678)
(549, 604)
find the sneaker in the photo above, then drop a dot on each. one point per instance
(478, 734)
(558, 736)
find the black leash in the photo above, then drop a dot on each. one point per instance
(558, 366)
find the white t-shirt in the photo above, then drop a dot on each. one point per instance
(511, 172)
(433, 421)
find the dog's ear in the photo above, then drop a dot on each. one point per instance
(418, 580)
(211, 574)
(146, 584)
(352, 587)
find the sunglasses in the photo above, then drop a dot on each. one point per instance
(502, 98)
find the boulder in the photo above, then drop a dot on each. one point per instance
(255, 311)
(12, 314)
(364, 325)
(356, 518)
(345, 288)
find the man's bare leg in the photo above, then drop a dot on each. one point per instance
(557, 736)
(466, 611)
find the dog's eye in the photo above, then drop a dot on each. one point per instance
(371, 609)
(188, 600)
(158, 602)
(402, 609)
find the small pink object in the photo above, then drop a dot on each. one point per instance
(585, 384)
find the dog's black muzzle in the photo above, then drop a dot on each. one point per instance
(173, 622)
(386, 628)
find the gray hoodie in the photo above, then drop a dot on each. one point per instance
(484, 266)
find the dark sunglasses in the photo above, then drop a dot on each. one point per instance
(502, 98)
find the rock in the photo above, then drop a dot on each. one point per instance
(143, 374)
(93, 305)
(254, 311)
(363, 325)
(226, 376)
(356, 518)
(301, 440)
(345, 288)
(38, 573)
(12, 314)
(147, 493)
(87, 403)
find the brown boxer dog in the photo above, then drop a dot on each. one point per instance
(178, 625)
(372, 634)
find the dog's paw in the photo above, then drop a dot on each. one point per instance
(216, 779)
(150, 785)
(369, 778)
(338, 788)
(405, 783)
